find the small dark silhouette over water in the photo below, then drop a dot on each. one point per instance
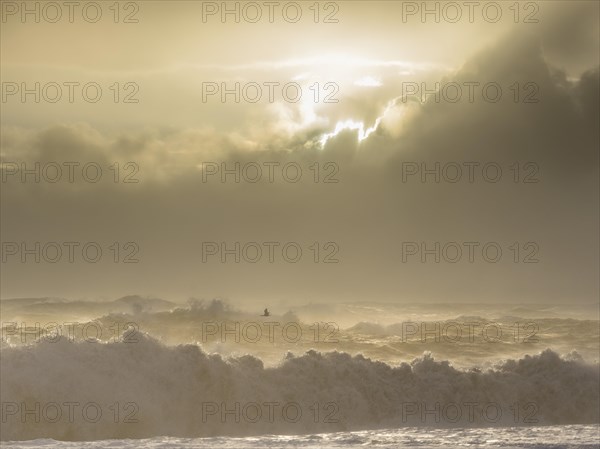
(266, 313)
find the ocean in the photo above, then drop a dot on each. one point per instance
(205, 374)
(551, 437)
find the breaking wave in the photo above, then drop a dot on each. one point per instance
(69, 390)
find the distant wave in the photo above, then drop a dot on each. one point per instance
(147, 389)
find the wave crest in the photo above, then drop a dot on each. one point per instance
(170, 387)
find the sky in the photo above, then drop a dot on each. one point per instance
(358, 154)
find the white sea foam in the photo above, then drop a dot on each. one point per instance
(552, 437)
(167, 389)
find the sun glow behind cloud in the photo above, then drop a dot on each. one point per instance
(350, 125)
(391, 111)
(349, 71)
